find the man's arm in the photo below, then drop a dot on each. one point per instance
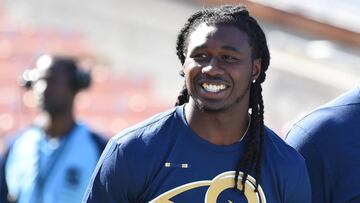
(299, 139)
(299, 190)
(111, 180)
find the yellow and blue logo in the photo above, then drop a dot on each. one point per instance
(216, 186)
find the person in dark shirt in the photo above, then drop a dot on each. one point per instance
(329, 140)
(213, 146)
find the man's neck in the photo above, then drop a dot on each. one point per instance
(58, 126)
(222, 128)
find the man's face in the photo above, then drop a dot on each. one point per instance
(54, 91)
(219, 68)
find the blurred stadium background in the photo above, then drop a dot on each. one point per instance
(129, 45)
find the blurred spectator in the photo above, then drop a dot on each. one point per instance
(53, 159)
(329, 140)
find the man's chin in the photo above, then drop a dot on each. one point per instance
(53, 110)
(211, 108)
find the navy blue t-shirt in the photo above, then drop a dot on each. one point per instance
(329, 140)
(163, 160)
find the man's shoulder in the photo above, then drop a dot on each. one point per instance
(325, 120)
(26, 135)
(351, 97)
(137, 149)
(98, 138)
(146, 130)
(280, 150)
(311, 129)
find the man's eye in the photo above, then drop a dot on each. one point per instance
(200, 56)
(230, 59)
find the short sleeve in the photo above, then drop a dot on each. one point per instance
(111, 180)
(299, 139)
(299, 189)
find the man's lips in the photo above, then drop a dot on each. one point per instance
(213, 87)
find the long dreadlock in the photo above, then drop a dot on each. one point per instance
(239, 17)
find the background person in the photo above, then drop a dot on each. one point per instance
(329, 140)
(52, 160)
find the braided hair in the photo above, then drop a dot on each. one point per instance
(239, 17)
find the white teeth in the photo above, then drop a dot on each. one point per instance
(213, 88)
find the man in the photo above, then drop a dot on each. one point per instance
(52, 160)
(208, 148)
(329, 140)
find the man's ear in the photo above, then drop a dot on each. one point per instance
(256, 69)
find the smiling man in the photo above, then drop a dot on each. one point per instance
(213, 146)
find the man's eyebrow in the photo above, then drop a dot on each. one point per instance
(225, 47)
(230, 48)
(200, 47)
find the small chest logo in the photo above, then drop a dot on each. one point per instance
(72, 176)
(176, 165)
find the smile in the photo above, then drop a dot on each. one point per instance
(213, 88)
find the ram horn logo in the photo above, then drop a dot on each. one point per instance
(216, 186)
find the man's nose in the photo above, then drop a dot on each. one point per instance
(213, 68)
